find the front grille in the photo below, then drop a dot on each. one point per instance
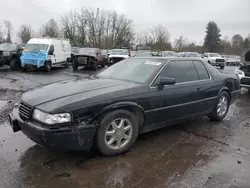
(25, 111)
(220, 60)
(82, 60)
(117, 59)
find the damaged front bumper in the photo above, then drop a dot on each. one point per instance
(67, 138)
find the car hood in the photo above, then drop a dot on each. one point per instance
(119, 56)
(70, 91)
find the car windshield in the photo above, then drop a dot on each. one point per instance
(192, 54)
(134, 70)
(214, 55)
(168, 54)
(143, 54)
(35, 48)
(119, 52)
(7, 47)
(89, 51)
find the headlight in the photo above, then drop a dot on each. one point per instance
(51, 118)
(237, 71)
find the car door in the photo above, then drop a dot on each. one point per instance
(52, 54)
(207, 88)
(175, 101)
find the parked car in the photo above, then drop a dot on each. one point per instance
(168, 54)
(181, 54)
(46, 53)
(230, 60)
(89, 58)
(214, 59)
(244, 71)
(10, 55)
(192, 54)
(134, 96)
(117, 55)
(143, 53)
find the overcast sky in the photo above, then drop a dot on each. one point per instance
(180, 17)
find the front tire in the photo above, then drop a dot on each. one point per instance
(95, 65)
(15, 64)
(222, 67)
(48, 66)
(221, 108)
(118, 131)
(75, 64)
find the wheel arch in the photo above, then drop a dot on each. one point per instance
(226, 89)
(130, 106)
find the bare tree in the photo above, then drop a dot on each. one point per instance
(9, 28)
(50, 29)
(180, 43)
(162, 36)
(81, 25)
(1, 35)
(69, 23)
(25, 33)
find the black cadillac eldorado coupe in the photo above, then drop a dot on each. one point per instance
(112, 108)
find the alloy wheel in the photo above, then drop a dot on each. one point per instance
(222, 106)
(118, 133)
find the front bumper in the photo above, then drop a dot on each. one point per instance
(67, 138)
(245, 82)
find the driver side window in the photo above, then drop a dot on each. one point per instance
(182, 71)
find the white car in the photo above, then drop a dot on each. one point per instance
(214, 59)
(244, 75)
(117, 55)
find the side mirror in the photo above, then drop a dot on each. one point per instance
(50, 53)
(167, 81)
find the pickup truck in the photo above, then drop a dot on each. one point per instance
(89, 58)
(214, 59)
(10, 55)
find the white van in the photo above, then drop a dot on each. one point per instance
(46, 53)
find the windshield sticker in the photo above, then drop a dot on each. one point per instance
(152, 63)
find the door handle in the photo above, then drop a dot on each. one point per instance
(199, 88)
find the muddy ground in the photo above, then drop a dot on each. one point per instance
(198, 153)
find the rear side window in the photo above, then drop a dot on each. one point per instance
(202, 71)
(182, 71)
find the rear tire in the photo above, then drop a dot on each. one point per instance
(217, 115)
(15, 64)
(48, 66)
(75, 64)
(222, 67)
(123, 139)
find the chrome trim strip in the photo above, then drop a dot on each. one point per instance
(173, 106)
(235, 91)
